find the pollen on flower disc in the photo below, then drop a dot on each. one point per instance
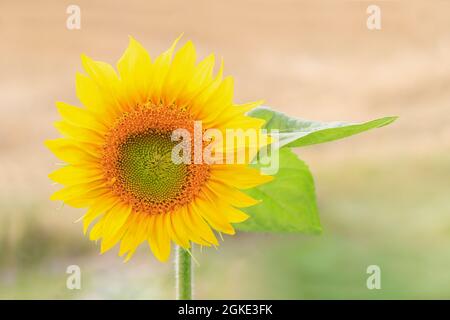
(137, 160)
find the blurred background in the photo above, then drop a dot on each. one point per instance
(384, 196)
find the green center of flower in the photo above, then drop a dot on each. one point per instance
(137, 161)
(147, 168)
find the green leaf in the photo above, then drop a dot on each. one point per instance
(288, 202)
(294, 132)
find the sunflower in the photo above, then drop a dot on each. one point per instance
(117, 152)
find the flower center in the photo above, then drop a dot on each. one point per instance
(137, 160)
(146, 167)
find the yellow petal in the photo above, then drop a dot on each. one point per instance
(209, 211)
(142, 231)
(130, 254)
(102, 74)
(96, 232)
(76, 190)
(89, 94)
(111, 240)
(197, 104)
(137, 226)
(79, 133)
(176, 230)
(234, 215)
(115, 219)
(201, 78)
(70, 175)
(159, 72)
(100, 91)
(135, 68)
(108, 243)
(238, 122)
(218, 101)
(86, 199)
(159, 240)
(128, 239)
(80, 117)
(101, 205)
(222, 206)
(197, 224)
(232, 112)
(137, 233)
(235, 197)
(69, 152)
(238, 176)
(179, 74)
(180, 222)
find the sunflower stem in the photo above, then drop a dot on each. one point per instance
(183, 273)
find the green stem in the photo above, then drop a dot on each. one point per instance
(183, 272)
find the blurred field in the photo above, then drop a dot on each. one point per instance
(383, 196)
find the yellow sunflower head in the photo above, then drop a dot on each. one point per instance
(117, 151)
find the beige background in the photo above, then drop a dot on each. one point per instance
(383, 195)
